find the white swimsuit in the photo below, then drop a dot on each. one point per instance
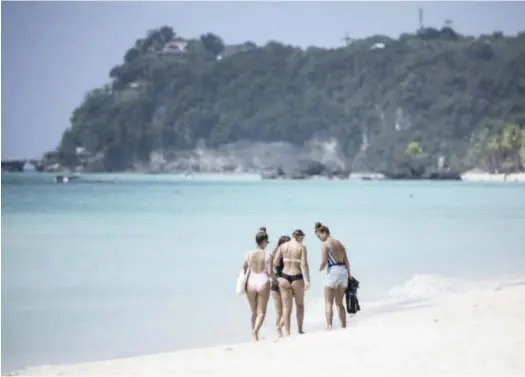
(257, 280)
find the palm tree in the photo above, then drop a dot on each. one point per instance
(511, 142)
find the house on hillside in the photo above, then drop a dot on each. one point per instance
(377, 46)
(175, 47)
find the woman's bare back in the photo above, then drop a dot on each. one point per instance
(337, 250)
(292, 253)
(258, 260)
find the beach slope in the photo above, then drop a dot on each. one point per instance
(478, 333)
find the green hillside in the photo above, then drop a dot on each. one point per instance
(452, 95)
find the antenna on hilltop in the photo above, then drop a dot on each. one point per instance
(448, 23)
(421, 16)
(348, 40)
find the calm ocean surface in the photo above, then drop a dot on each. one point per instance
(113, 265)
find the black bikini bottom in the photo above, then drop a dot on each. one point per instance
(292, 278)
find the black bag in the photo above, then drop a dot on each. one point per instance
(352, 302)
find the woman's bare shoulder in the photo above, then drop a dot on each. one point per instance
(337, 243)
(341, 246)
(284, 247)
(303, 250)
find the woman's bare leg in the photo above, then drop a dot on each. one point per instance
(276, 296)
(252, 299)
(262, 305)
(340, 307)
(298, 293)
(286, 295)
(328, 306)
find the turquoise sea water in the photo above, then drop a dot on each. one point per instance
(124, 265)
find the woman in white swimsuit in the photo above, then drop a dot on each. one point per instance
(258, 262)
(338, 271)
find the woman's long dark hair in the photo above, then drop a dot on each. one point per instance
(282, 240)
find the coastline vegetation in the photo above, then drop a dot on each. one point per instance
(431, 95)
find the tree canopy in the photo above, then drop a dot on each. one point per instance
(449, 95)
(413, 148)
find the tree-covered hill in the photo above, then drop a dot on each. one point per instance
(450, 94)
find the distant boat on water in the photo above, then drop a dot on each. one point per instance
(62, 178)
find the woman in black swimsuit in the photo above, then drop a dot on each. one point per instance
(276, 294)
(292, 283)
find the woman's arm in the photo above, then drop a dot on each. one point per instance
(324, 257)
(271, 271)
(245, 265)
(277, 257)
(347, 262)
(306, 268)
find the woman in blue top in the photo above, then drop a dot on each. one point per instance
(338, 271)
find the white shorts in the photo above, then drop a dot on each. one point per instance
(337, 276)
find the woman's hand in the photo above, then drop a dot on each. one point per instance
(306, 285)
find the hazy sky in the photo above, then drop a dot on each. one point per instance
(54, 52)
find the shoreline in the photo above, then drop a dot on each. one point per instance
(472, 177)
(487, 177)
(480, 332)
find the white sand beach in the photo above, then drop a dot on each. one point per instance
(480, 176)
(480, 333)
